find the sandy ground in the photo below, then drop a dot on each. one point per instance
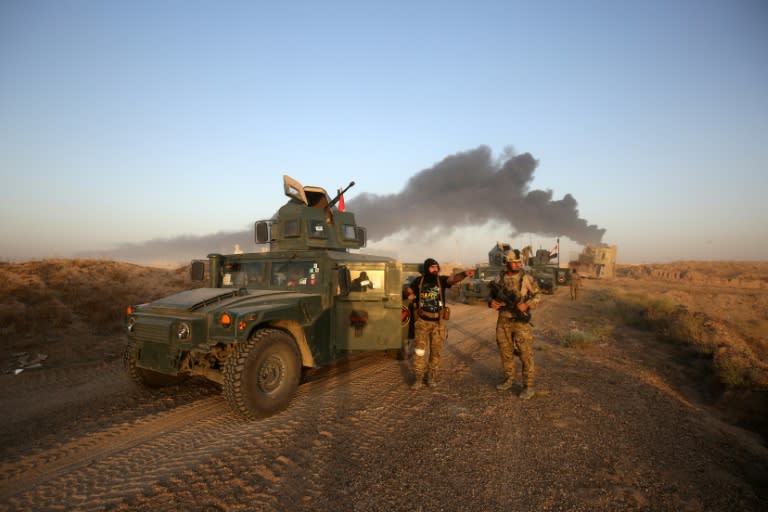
(628, 423)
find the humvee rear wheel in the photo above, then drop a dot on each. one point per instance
(142, 376)
(262, 375)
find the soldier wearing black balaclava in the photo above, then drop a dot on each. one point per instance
(430, 312)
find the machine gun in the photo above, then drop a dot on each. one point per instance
(338, 196)
(509, 300)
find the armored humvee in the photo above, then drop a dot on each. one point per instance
(265, 317)
(476, 288)
(547, 275)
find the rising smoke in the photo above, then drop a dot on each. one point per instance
(470, 188)
(465, 189)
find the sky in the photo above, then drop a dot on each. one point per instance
(159, 131)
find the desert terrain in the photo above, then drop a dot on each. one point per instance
(652, 395)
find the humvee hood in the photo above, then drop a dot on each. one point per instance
(194, 299)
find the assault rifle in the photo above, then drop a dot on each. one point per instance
(509, 300)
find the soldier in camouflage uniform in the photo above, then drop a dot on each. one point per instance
(575, 284)
(513, 330)
(428, 293)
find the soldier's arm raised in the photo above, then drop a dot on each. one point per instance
(460, 276)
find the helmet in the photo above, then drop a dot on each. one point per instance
(512, 255)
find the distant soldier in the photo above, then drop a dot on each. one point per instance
(430, 311)
(575, 284)
(513, 295)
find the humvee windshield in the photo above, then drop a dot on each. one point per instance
(242, 274)
(294, 274)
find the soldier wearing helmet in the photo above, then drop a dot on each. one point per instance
(428, 294)
(518, 294)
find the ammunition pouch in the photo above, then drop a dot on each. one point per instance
(446, 313)
(516, 315)
(429, 316)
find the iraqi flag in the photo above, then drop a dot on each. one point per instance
(341, 201)
(555, 250)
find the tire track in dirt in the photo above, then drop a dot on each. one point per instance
(61, 460)
(108, 465)
(194, 446)
(288, 459)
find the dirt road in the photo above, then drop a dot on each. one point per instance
(614, 427)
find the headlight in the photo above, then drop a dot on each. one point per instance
(225, 320)
(183, 331)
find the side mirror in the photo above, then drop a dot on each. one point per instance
(197, 270)
(345, 281)
(262, 232)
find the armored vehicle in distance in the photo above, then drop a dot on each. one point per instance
(548, 276)
(477, 288)
(265, 317)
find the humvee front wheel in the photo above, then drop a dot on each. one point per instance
(262, 375)
(142, 376)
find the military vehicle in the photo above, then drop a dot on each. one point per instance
(264, 318)
(477, 288)
(547, 275)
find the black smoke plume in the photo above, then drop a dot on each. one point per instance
(470, 188)
(465, 189)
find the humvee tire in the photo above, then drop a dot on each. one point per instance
(262, 375)
(144, 377)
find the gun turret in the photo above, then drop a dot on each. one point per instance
(338, 196)
(307, 221)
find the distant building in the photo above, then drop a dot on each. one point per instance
(597, 261)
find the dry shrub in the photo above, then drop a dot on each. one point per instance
(735, 364)
(576, 338)
(42, 297)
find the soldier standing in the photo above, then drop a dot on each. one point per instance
(430, 312)
(575, 284)
(517, 295)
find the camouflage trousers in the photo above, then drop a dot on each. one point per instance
(515, 339)
(428, 337)
(574, 291)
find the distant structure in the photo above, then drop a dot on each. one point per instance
(238, 250)
(596, 261)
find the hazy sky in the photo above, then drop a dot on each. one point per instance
(160, 130)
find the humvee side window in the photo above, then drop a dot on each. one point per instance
(365, 280)
(291, 228)
(349, 232)
(295, 274)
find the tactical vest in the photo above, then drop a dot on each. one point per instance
(514, 283)
(430, 298)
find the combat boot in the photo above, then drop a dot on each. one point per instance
(507, 384)
(431, 381)
(418, 382)
(527, 393)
